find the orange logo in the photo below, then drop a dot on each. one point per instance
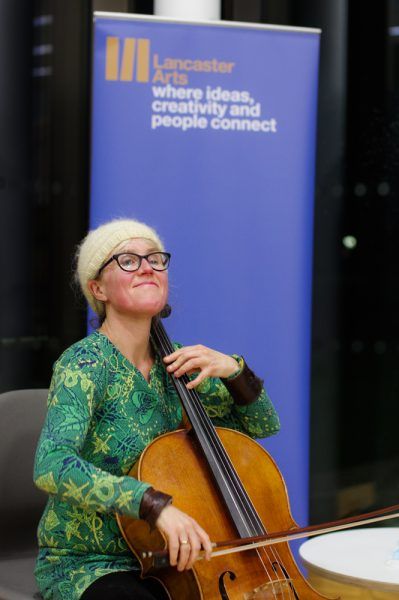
(135, 60)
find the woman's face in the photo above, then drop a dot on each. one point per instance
(139, 293)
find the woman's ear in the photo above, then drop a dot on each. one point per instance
(97, 290)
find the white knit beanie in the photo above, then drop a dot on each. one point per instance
(99, 244)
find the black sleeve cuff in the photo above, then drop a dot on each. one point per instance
(245, 388)
(152, 504)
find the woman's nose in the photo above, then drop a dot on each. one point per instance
(145, 266)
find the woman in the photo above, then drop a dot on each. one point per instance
(110, 396)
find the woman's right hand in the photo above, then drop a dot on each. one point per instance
(185, 537)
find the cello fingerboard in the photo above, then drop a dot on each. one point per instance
(242, 511)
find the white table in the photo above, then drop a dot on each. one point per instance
(360, 563)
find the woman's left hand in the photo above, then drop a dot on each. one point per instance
(202, 360)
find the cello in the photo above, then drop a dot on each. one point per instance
(228, 483)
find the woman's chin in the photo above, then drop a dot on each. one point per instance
(149, 309)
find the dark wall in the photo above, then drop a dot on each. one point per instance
(16, 212)
(370, 291)
(44, 156)
(60, 170)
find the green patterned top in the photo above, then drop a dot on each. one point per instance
(102, 413)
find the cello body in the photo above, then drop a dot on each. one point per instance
(174, 464)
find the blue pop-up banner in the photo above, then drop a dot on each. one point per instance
(207, 132)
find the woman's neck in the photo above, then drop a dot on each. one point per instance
(131, 335)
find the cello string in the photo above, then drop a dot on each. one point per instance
(256, 524)
(201, 415)
(197, 416)
(167, 348)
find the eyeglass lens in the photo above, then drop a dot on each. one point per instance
(131, 262)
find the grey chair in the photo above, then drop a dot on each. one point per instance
(22, 414)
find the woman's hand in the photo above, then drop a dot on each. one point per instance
(185, 537)
(202, 360)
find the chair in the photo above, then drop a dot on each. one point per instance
(22, 414)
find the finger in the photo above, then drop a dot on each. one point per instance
(180, 360)
(195, 547)
(171, 357)
(193, 371)
(184, 554)
(189, 365)
(200, 377)
(174, 545)
(205, 541)
(207, 546)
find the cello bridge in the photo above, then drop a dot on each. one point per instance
(274, 590)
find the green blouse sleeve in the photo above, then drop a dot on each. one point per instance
(258, 419)
(60, 467)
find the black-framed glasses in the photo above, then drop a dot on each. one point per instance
(128, 261)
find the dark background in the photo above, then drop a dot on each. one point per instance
(44, 194)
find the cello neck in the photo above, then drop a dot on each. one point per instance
(241, 509)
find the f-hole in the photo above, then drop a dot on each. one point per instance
(276, 564)
(222, 589)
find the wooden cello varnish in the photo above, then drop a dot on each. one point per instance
(177, 463)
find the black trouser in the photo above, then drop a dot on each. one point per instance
(124, 585)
